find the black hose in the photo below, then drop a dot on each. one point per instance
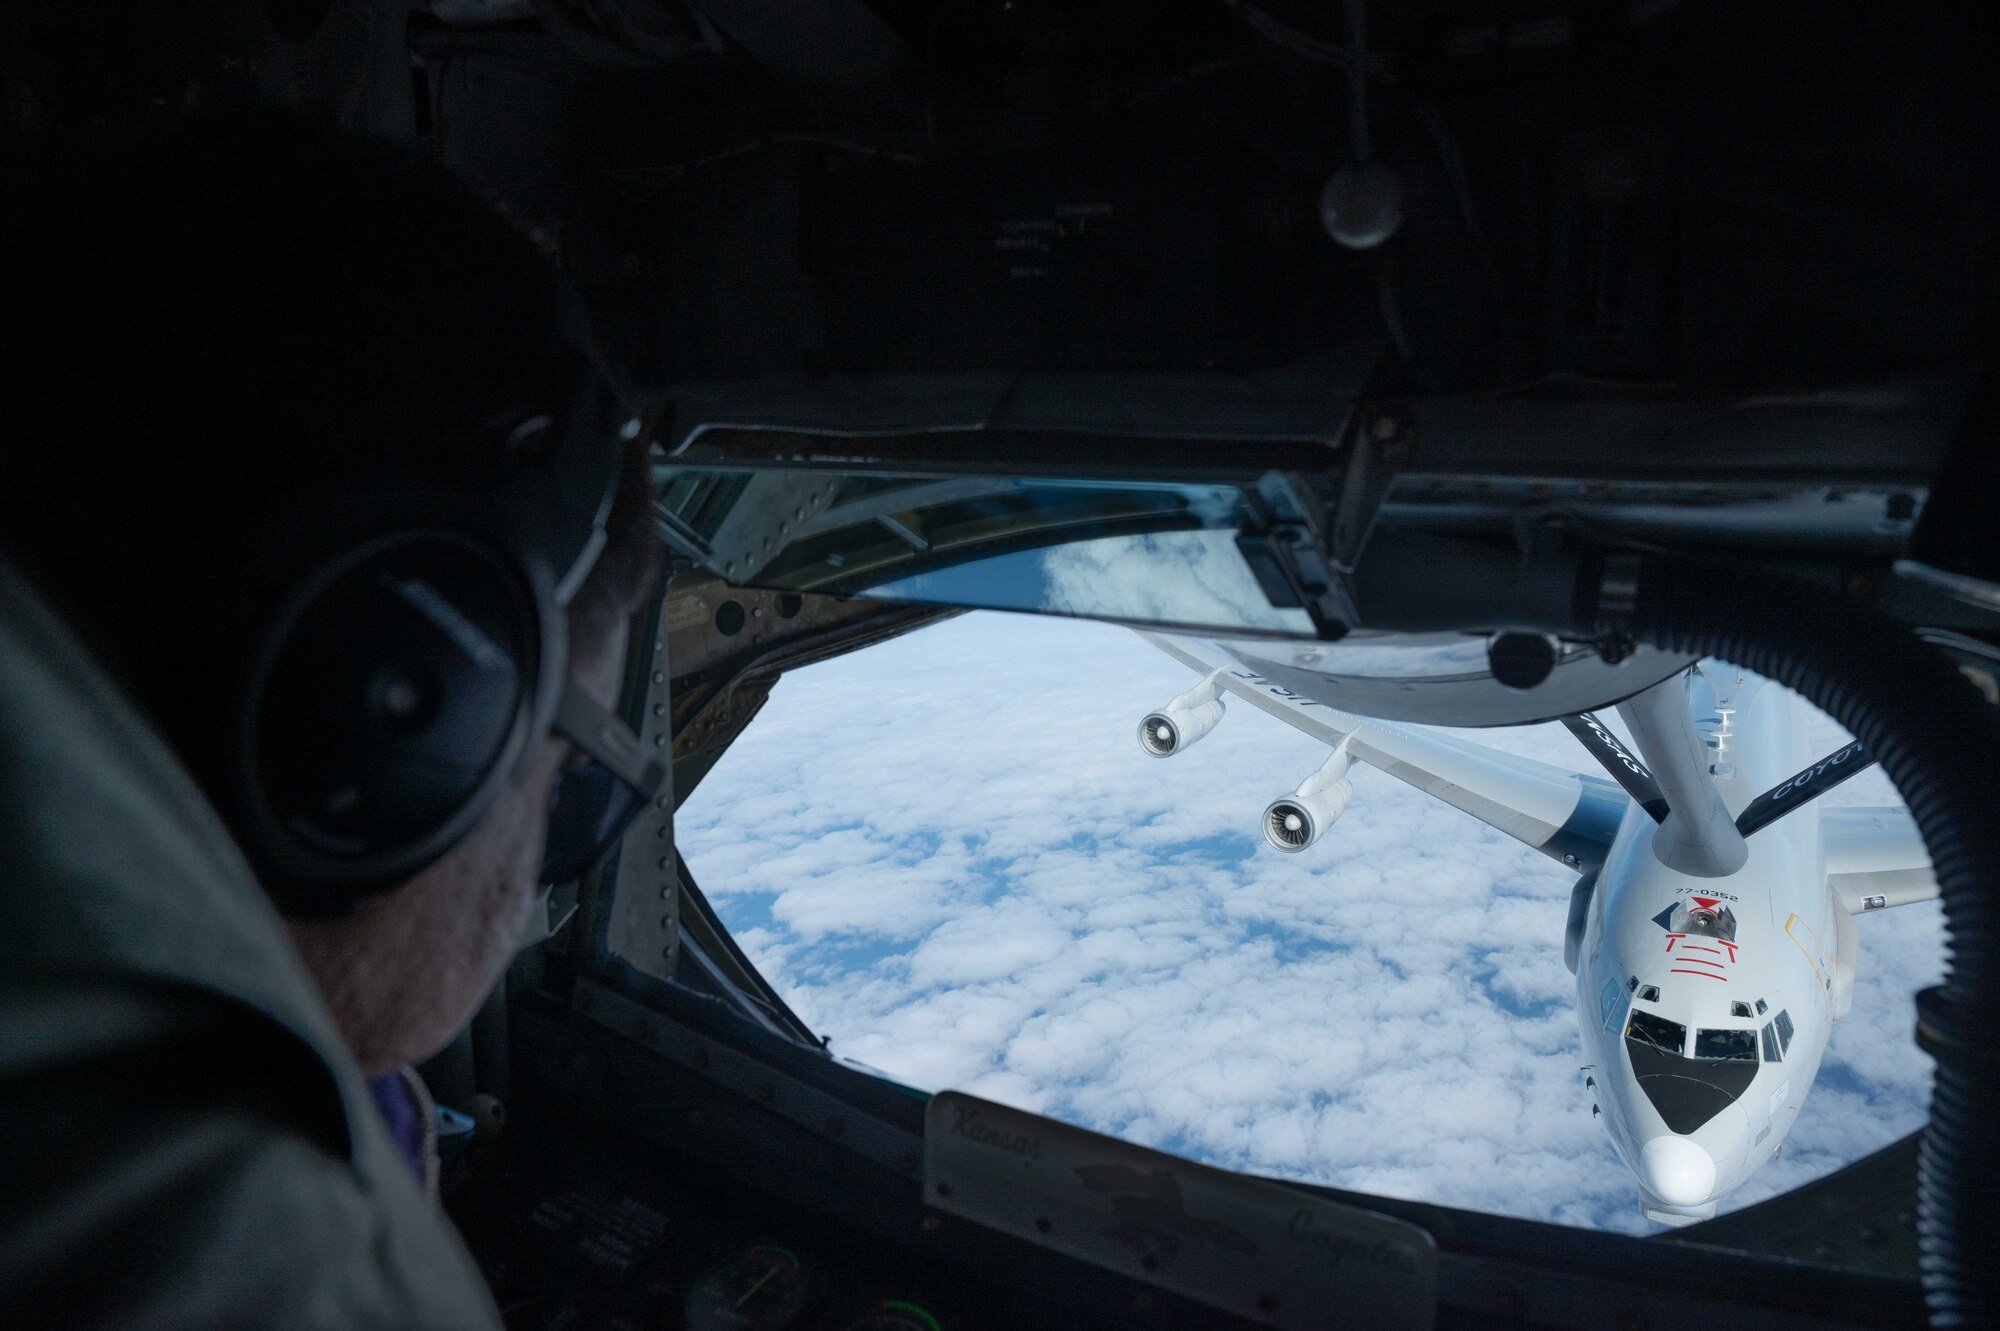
(1939, 741)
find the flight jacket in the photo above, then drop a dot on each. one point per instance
(184, 1139)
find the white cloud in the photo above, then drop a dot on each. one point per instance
(1184, 577)
(950, 854)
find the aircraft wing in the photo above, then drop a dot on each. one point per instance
(1875, 859)
(1568, 816)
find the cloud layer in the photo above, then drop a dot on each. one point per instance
(950, 854)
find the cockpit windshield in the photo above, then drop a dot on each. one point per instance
(1670, 1036)
(1740, 1045)
(1688, 1092)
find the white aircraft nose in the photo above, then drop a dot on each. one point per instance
(1677, 1171)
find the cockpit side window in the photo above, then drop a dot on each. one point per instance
(1738, 1045)
(1610, 1003)
(1783, 1021)
(1656, 1031)
(1772, 1054)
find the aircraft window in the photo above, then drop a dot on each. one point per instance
(1772, 1054)
(1057, 958)
(1651, 993)
(1739, 1044)
(1688, 1092)
(1739, 1009)
(1152, 551)
(1761, 1008)
(1658, 1032)
(1610, 1004)
(1783, 1022)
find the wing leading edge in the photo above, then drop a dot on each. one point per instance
(1566, 815)
(1875, 858)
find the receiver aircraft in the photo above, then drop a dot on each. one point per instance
(1711, 930)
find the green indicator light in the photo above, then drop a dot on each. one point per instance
(764, 1249)
(897, 1305)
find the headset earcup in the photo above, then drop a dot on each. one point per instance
(389, 709)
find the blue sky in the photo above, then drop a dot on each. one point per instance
(950, 854)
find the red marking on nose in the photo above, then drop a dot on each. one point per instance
(1710, 974)
(1708, 903)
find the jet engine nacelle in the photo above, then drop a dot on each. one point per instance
(1295, 822)
(1183, 721)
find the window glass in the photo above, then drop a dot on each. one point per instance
(1737, 1044)
(1611, 1004)
(1034, 949)
(1688, 1092)
(1784, 1024)
(1631, 983)
(1656, 1031)
(1771, 1052)
(1761, 1008)
(1739, 1009)
(1148, 551)
(1651, 993)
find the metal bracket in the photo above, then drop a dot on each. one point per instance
(1311, 545)
(765, 518)
(1383, 439)
(1290, 563)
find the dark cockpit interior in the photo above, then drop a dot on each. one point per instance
(1689, 1090)
(1603, 330)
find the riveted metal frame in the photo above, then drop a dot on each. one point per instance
(642, 923)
